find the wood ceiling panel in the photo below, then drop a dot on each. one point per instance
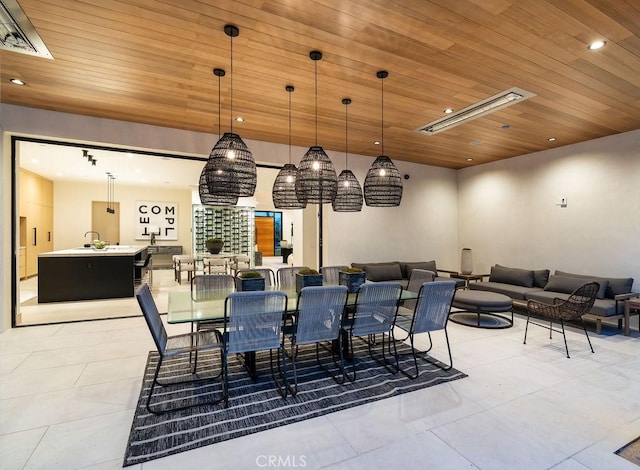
(151, 61)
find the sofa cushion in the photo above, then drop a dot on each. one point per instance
(540, 276)
(513, 291)
(515, 276)
(567, 284)
(615, 285)
(384, 272)
(426, 265)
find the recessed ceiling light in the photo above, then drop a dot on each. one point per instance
(448, 110)
(595, 45)
(34, 160)
(551, 139)
(506, 126)
(240, 119)
(376, 142)
(17, 81)
(475, 142)
(469, 159)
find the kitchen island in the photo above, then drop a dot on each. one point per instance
(88, 273)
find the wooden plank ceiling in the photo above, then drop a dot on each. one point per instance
(151, 61)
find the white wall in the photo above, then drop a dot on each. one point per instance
(72, 215)
(422, 228)
(508, 212)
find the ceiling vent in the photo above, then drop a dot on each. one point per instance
(494, 103)
(17, 34)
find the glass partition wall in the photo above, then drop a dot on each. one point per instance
(140, 181)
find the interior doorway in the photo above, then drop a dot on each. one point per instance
(268, 232)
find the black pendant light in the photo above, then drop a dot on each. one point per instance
(283, 192)
(231, 169)
(383, 184)
(316, 180)
(349, 193)
(210, 169)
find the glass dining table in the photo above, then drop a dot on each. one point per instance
(184, 307)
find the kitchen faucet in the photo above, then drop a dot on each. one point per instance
(91, 231)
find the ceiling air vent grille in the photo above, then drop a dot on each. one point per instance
(17, 34)
(494, 103)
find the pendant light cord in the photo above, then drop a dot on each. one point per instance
(382, 115)
(290, 125)
(231, 84)
(219, 107)
(315, 63)
(346, 136)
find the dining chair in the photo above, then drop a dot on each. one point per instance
(252, 323)
(330, 274)
(375, 312)
(171, 347)
(578, 304)
(210, 286)
(318, 318)
(240, 262)
(214, 265)
(416, 279)
(431, 313)
(267, 273)
(287, 276)
(207, 286)
(185, 263)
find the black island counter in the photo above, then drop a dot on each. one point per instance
(88, 273)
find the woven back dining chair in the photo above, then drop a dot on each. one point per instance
(318, 318)
(375, 312)
(330, 274)
(287, 276)
(578, 304)
(431, 314)
(178, 346)
(252, 323)
(416, 279)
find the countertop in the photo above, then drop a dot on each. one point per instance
(110, 250)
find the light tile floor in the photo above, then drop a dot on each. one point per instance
(67, 394)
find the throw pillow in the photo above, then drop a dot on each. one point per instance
(604, 283)
(426, 265)
(513, 276)
(384, 272)
(567, 284)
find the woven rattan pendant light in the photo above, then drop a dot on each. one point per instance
(231, 169)
(349, 193)
(203, 187)
(316, 180)
(283, 192)
(383, 184)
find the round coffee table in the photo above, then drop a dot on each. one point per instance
(482, 309)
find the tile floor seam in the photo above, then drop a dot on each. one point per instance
(35, 449)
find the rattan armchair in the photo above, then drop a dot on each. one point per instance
(578, 303)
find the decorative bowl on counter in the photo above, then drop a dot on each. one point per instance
(99, 245)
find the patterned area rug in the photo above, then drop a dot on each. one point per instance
(257, 406)
(631, 451)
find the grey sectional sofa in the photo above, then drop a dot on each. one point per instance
(399, 271)
(523, 285)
